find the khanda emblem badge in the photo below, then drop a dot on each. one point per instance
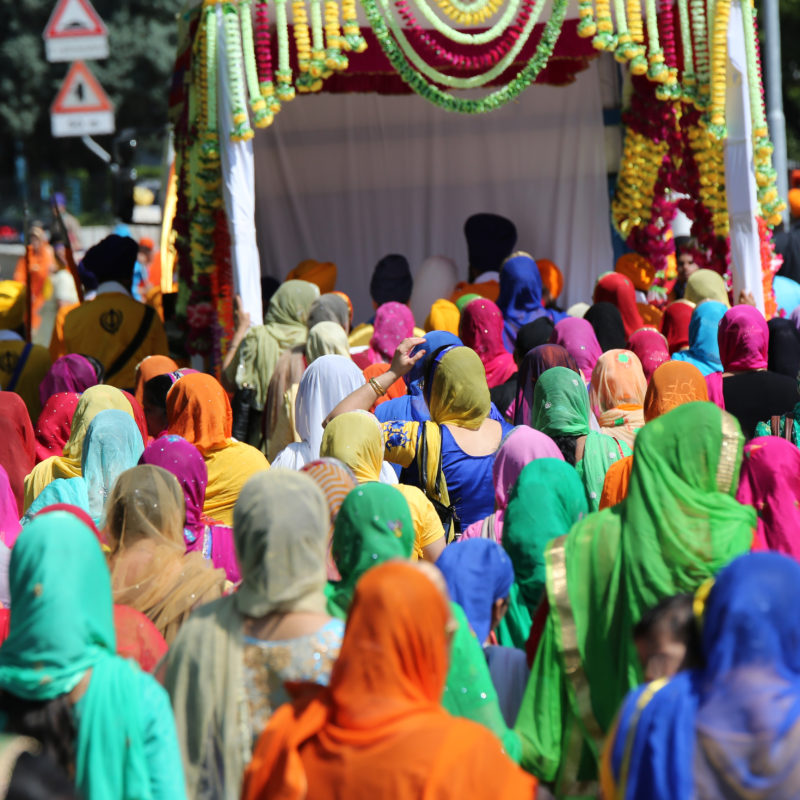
(8, 361)
(111, 320)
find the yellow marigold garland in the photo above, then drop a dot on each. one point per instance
(464, 15)
(719, 69)
(633, 199)
(353, 40)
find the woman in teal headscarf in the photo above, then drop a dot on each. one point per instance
(546, 501)
(61, 652)
(679, 525)
(373, 526)
(113, 444)
(561, 410)
(61, 491)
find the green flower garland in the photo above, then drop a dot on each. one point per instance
(476, 81)
(496, 99)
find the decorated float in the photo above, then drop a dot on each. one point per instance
(695, 133)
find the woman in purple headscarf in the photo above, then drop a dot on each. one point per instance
(71, 373)
(533, 365)
(185, 462)
(576, 335)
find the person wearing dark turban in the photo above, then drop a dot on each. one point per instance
(113, 328)
(490, 241)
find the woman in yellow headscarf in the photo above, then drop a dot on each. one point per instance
(443, 316)
(450, 458)
(356, 439)
(68, 465)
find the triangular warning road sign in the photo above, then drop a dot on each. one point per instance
(74, 18)
(80, 93)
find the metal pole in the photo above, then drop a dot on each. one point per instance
(774, 96)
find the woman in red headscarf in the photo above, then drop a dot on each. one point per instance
(618, 290)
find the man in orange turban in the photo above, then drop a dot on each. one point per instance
(321, 273)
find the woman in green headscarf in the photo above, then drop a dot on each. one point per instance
(546, 501)
(373, 526)
(59, 663)
(253, 361)
(678, 526)
(561, 410)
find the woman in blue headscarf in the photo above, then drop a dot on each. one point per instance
(703, 349)
(732, 728)
(412, 407)
(520, 297)
(479, 577)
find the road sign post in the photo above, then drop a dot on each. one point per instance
(81, 107)
(75, 31)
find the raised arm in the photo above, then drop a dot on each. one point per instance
(363, 397)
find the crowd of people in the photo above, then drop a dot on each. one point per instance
(480, 545)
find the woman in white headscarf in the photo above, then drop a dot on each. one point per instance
(435, 278)
(325, 383)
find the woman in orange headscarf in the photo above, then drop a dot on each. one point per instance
(673, 384)
(616, 394)
(151, 367)
(199, 410)
(380, 727)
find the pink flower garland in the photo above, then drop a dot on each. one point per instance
(484, 60)
(263, 45)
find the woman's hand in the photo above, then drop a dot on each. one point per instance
(403, 361)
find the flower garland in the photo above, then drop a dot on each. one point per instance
(719, 68)
(604, 39)
(689, 80)
(353, 40)
(766, 177)
(335, 59)
(445, 100)
(263, 50)
(283, 76)
(474, 81)
(469, 14)
(262, 116)
(459, 37)
(769, 266)
(482, 61)
(241, 131)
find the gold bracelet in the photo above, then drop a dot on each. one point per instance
(377, 388)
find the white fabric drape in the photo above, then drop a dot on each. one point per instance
(350, 178)
(238, 185)
(740, 181)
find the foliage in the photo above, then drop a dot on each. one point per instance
(142, 38)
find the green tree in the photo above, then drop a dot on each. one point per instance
(790, 67)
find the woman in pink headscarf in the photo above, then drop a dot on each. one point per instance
(481, 328)
(54, 424)
(651, 348)
(745, 388)
(576, 335)
(393, 323)
(770, 482)
(520, 446)
(9, 512)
